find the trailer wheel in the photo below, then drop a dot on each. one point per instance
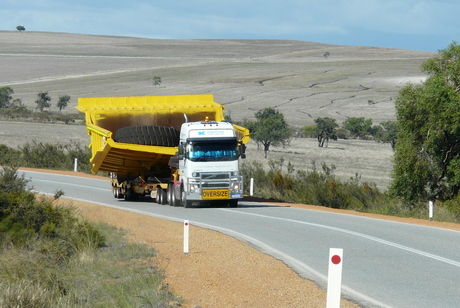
(128, 194)
(148, 135)
(233, 203)
(157, 199)
(116, 192)
(164, 197)
(161, 196)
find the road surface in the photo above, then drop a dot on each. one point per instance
(385, 263)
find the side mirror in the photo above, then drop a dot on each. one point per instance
(242, 150)
(181, 151)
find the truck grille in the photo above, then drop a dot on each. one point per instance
(214, 176)
(214, 185)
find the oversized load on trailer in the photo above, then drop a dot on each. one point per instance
(177, 149)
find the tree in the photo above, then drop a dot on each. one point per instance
(358, 127)
(5, 97)
(386, 133)
(309, 131)
(326, 129)
(63, 102)
(156, 80)
(20, 28)
(427, 154)
(43, 100)
(270, 129)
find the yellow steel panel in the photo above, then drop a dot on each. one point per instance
(105, 115)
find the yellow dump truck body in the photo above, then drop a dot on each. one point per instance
(105, 115)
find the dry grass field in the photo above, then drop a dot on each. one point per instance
(294, 77)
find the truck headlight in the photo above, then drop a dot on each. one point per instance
(236, 186)
(194, 188)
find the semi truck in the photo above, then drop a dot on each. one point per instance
(179, 150)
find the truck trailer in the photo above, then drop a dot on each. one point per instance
(179, 150)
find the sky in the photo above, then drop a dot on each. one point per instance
(405, 24)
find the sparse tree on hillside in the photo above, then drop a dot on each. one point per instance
(309, 131)
(63, 102)
(270, 129)
(43, 100)
(387, 133)
(358, 127)
(156, 81)
(326, 129)
(20, 28)
(5, 97)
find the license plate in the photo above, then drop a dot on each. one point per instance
(210, 194)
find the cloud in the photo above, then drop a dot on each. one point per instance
(352, 22)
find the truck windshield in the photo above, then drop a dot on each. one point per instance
(215, 151)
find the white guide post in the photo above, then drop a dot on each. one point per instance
(430, 210)
(251, 188)
(186, 236)
(334, 278)
(75, 165)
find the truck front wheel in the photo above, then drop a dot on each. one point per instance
(174, 200)
(186, 203)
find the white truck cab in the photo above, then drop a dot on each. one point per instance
(209, 171)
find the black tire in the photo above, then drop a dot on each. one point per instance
(186, 203)
(233, 203)
(169, 193)
(157, 199)
(162, 197)
(148, 135)
(128, 195)
(117, 192)
(175, 201)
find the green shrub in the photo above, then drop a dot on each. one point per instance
(9, 156)
(24, 217)
(11, 182)
(16, 112)
(321, 187)
(55, 156)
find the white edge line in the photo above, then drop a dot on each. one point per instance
(362, 235)
(299, 267)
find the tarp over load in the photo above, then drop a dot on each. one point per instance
(106, 115)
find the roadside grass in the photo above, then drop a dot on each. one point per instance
(118, 274)
(51, 257)
(320, 186)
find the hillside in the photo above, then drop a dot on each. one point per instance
(244, 75)
(294, 77)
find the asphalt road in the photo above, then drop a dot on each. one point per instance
(385, 264)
